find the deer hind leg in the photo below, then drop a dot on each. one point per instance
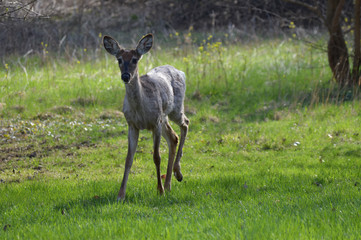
(156, 156)
(183, 123)
(133, 135)
(172, 141)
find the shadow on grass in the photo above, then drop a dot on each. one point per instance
(207, 191)
(188, 192)
(263, 104)
(339, 151)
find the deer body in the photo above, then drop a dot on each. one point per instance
(149, 101)
(154, 96)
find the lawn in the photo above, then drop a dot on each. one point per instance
(273, 150)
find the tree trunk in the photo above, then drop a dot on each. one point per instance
(356, 60)
(338, 57)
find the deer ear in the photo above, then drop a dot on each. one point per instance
(145, 44)
(111, 45)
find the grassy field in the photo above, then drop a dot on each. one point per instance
(273, 150)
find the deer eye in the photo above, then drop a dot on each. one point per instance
(120, 61)
(134, 61)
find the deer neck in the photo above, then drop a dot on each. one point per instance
(134, 91)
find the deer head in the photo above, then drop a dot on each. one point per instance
(128, 59)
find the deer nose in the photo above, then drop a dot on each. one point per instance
(126, 77)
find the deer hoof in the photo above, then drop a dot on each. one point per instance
(161, 190)
(121, 197)
(167, 187)
(178, 176)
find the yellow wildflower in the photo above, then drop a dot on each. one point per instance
(292, 25)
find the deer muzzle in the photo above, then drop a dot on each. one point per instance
(126, 77)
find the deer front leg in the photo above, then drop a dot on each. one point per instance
(133, 135)
(156, 157)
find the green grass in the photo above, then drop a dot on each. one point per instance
(273, 151)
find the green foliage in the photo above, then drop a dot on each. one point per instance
(273, 150)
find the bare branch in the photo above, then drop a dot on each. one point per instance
(17, 9)
(27, 12)
(35, 13)
(314, 9)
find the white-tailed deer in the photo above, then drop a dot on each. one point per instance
(149, 101)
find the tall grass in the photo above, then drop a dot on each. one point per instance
(249, 77)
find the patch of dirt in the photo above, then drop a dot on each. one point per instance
(2, 106)
(80, 101)
(62, 109)
(39, 151)
(111, 114)
(46, 116)
(189, 111)
(43, 136)
(197, 95)
(212, 119)
(18, 108)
